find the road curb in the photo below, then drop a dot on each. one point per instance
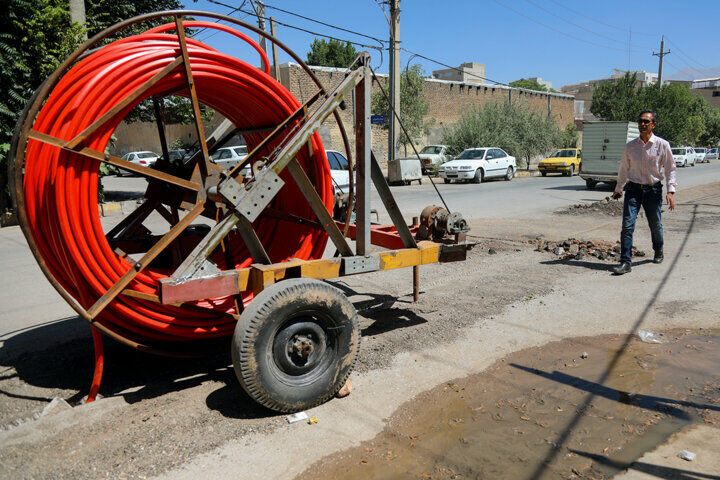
(526, 173)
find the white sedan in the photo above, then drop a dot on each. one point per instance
(700, 154)
(478, 164)
(144, 158)
(684, 156)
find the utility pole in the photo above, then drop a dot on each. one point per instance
(661, 55)
(394, 77)
(259, 8)
(276, 70)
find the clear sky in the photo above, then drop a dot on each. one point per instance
(563, 41)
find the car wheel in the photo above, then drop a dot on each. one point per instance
(295, 344)
(544, 174)
(510, 174)
(446, 180)
(479, 176)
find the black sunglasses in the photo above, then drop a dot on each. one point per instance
(644, 121)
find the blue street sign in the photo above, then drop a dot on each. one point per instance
(378, 119)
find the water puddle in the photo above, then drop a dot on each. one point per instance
(582, 408)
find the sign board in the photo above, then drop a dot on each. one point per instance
(378, 119)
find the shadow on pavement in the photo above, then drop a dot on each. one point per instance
(604, 267)
(657, 471)
(563, 437)
(602, 187)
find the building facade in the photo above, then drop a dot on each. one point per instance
(470, 72)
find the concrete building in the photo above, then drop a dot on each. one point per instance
(470, 72)
(709, 89)
(542, 82)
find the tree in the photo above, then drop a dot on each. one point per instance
(35, 36)
(413, 106)
(521, 131)
(331, 53)
(528, 85)
(683, 117)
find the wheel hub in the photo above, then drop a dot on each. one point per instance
(299, 347)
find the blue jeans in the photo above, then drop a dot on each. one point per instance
(650, 197)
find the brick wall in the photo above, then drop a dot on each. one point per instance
(447, 100)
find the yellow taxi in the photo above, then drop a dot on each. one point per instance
(565, 161)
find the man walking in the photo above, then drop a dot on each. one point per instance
(641, 168)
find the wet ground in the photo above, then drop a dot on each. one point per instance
(583, 408)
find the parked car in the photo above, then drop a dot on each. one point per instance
(477, 164)
(684, 156)
(433, 155)
(228, 157)
(338, 171)
(700, 153)
(712, 154)
(565, 161)
(143, 158)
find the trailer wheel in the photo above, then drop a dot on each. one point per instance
(295, 344)
(590, 183)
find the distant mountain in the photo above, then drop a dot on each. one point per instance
(688, 73)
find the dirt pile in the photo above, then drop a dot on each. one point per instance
(606, 206)
(572, 248)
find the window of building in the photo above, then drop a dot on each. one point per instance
(716, 94)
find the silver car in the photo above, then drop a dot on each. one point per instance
(712, 154)
(228, 157)
(700, 153)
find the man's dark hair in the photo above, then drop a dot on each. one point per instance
(654, 115)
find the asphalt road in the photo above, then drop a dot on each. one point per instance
(522, 197)
(519, 198)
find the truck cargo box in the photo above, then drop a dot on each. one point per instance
(603, 146)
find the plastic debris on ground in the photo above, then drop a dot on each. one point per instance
(685, 455)
(650, 337)
(297, 417)
(312, 421)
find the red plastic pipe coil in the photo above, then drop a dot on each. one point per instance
(60, 187)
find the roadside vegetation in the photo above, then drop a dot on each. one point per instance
(683, 117)
(521, 131)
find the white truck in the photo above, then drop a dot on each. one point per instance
(603, 144)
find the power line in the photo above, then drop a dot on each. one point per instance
(294, 27)
(623, 29)
(325, 24)
(683, 54)
(558, 30)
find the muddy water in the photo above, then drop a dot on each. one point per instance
(547, 413)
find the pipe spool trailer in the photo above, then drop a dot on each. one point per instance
(250, 272)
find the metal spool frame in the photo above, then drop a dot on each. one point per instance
(195, 278)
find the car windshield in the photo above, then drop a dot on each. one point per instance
(564, 154)
(713, 150)
(701, 150)
(471, 153)
(678, 151)
(431, 149)
(146, 155)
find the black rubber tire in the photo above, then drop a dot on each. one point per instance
(544, 174)
(510, 174)
(446, 180)
(269, 328)
(590, 184)
(572, 171)
(479, 176)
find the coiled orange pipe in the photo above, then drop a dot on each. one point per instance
(60, 188)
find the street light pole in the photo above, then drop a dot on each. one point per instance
(394, 48)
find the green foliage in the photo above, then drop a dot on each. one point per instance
(683, 117)
(528, 84)
(35, 37)
(413, 106)
(177, 109)
(521, 131)
(331, 53)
